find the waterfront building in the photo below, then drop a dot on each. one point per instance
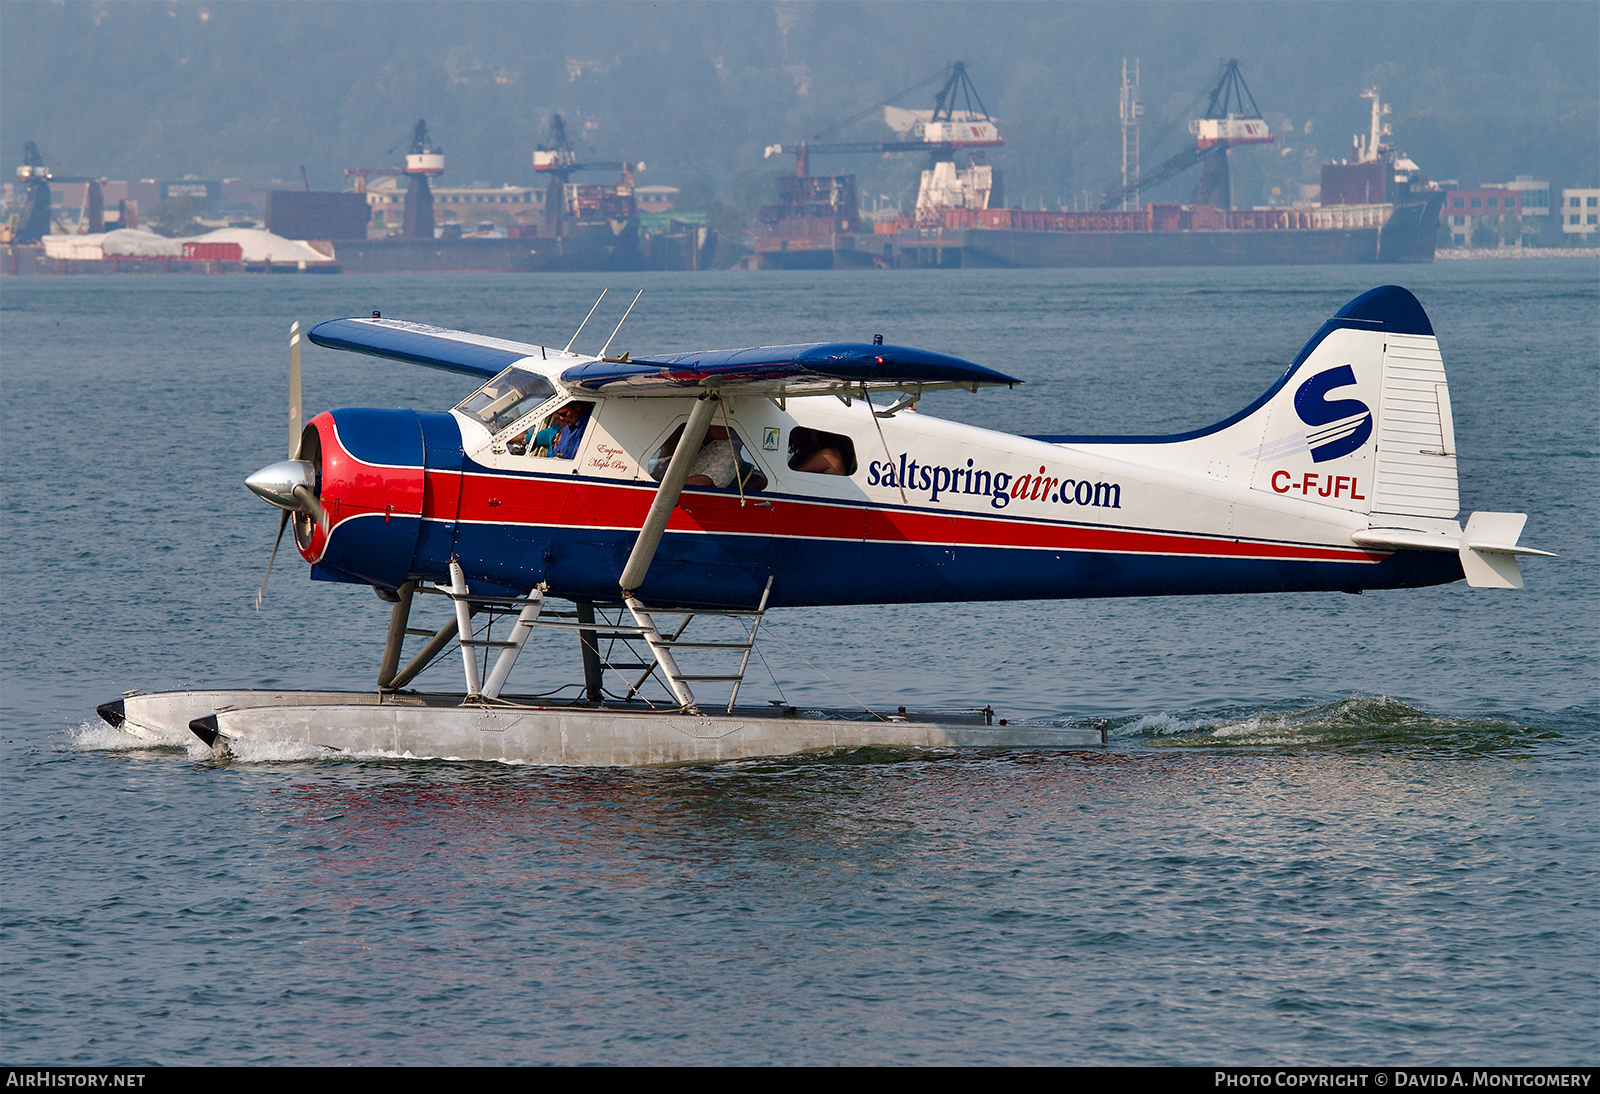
(463, 209)
(1580, 213)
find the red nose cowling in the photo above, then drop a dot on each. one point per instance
(370, 481)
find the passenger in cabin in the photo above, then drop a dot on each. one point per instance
(715, 464)
(819, 453)
(719, 462)
(559, 439)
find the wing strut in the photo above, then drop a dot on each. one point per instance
(655, 523)
(666, 499)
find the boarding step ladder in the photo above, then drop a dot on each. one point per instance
(603, 636)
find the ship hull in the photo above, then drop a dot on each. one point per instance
(1406, 235)
(845, 254)
(599, 244)
(984, 247)
(583, 247)
(444, 255)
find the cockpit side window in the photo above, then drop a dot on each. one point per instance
(506, 398)
(558, 436)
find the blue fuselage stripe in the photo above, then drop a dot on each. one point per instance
(726, 570)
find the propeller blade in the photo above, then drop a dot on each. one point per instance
(294, 390)
(298, 493)
(262, 592)
(310, 505)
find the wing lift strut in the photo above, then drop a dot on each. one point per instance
(485, 682)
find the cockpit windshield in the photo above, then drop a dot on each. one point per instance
(506, 398)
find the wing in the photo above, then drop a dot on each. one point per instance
(420, 344)
(816, 369)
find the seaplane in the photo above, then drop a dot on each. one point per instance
(622, 498)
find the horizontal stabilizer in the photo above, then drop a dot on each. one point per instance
(1489, 550)
(815, 369)
(420, 344)
(1407, 539)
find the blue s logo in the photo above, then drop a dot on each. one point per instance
(1347, 422)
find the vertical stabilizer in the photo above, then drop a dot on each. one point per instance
(1363, 420)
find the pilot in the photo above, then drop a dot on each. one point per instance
(561, 437)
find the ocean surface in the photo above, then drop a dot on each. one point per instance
(1327, 829)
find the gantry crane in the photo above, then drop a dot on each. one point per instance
(423, 158)
(1231, 118)
(941, 134)
(558, 159)
(33, 223)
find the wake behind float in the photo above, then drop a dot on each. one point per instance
(626, 498)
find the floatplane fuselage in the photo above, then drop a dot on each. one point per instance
(792, 476)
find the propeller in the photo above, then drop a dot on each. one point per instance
(289, 484)
(262, 592)
(295, 423)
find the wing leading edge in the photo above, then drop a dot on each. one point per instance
(815, 369)
(420, 344)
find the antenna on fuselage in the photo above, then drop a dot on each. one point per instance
(624, 319)
(579, 331)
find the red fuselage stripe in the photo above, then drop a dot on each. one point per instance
(585, 503)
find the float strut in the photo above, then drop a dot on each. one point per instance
(425, 656)
(591, 652)
(398, 618)
(519, 637)
(469, 657)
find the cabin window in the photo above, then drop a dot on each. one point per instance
(506, 398)
(722, 459)
(558, 436)
(818, 453)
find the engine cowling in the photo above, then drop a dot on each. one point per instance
(371, 481)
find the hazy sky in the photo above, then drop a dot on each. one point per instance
(1480, 91)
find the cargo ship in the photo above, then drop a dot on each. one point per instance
(1403, 231)
(1378, 208)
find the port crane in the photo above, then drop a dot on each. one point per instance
(423, 158)
(940, 132)
(1231, 118)
(32, 223)
(35, 219)
(558, 159)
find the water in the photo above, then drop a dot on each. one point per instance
(1328, 829)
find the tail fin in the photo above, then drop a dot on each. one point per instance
(1362, 418)
(1360, 421)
